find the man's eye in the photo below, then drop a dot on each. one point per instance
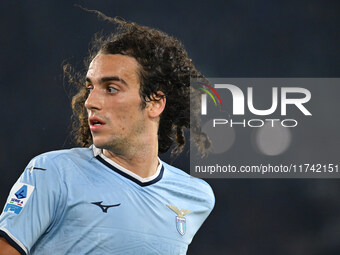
(111, 90)
(89, 89)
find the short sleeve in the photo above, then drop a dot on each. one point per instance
(33, 205)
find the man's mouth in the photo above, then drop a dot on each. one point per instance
(95, 123)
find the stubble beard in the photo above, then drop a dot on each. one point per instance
(126, 144)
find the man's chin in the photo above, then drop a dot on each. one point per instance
(99, 144)
(117, 148)
(102, 144)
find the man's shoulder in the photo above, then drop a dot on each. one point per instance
(62, 158)
(194, 185)
(84, 153)
(175, 172)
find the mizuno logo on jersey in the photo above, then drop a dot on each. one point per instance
(180, 219)
(104, 207)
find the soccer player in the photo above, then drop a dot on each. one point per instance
(114, 195)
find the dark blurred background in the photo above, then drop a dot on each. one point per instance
(224, 39)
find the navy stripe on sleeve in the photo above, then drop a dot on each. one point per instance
(12, 242)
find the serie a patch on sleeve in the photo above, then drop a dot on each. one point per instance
(18, 197)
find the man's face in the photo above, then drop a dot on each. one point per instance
(115, 115)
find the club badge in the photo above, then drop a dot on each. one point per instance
(180, 219)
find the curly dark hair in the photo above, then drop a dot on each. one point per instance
(164, 66)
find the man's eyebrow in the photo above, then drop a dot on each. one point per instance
(109, 78)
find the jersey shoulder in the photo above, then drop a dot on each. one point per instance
(60, 156)
(81, 153)
(60, 160)
(192, 184)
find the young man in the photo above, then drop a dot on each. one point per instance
(115, 196)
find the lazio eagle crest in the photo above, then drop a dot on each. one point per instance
(180, 220)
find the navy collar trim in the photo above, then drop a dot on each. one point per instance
(142, 184)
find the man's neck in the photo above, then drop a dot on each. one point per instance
(143, 163)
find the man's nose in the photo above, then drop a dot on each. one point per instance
(94, 100)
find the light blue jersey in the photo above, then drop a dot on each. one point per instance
(77, 202)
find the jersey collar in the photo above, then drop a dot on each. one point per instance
(97, 153)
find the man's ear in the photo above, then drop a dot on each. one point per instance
(156, 106)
